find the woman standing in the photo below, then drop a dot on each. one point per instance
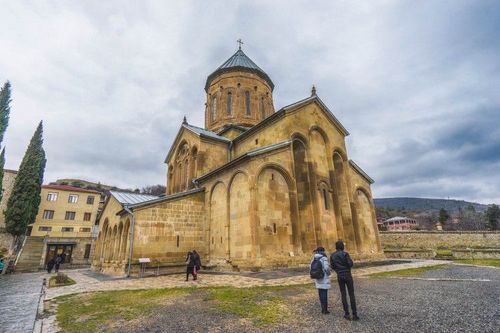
(190, 263)
(320, 270)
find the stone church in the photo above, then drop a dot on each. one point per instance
(254, 188)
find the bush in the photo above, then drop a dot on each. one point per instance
(62, 278)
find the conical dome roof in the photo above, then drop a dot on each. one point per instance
(239, 62)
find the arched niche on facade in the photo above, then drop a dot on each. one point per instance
(218, 222)
(367, 232)
(240, 229)
(274, 212)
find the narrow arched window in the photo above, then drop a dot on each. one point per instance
(247, 102)
(229, 103)
(214, 108)
(262, 108)
(325, 198)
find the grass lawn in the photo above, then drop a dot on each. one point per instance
(263, 305)
(443, 252)
(93, 312)
(53, 284)
(480, 262)
(105, 311)
(408, 271)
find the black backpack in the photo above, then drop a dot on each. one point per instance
(317, 271)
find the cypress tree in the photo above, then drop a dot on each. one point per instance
(2, 164)
(23, 203)
(4, 109)
(4, 122)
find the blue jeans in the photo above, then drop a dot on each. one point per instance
(323, 297)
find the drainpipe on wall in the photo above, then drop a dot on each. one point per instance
(132, 228)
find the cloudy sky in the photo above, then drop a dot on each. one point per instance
(417, 83)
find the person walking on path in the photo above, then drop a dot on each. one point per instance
(58, 262)
(197, 264)
(320, 271)
(190, 265)
(50, 265)
(342, 263)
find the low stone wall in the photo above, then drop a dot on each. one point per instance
(440, 239)
(423, 244)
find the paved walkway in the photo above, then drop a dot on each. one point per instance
(87, 282)
(19, 297)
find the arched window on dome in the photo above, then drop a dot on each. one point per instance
(262, 108)
(229, 103)
(247, 102)
(214, 108)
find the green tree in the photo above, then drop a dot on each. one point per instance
(2, 164)
(443, 216)
(4, 122)
(24, 200)
(492, 215)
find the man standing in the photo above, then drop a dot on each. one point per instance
(341, 263)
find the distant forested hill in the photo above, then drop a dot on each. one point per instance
(425, 204)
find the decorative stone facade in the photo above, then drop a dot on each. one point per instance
(251, 190)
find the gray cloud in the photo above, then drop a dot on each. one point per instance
(416, 83)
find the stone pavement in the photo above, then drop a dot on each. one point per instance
(89, 282)
(19, 298)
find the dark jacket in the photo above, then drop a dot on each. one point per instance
(197, 260)
(190, 260)
(341, 263)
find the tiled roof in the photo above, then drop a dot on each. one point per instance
(239, 61)
(69, 188)
(126, 198)
(206, 133)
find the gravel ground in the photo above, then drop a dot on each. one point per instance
(384, 305)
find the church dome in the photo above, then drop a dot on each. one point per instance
(239, 62)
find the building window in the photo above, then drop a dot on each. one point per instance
(229, 103)
(48, 214)
(247, 102)
(90, 200)
(87, 251)
(178, 240)
(274, 228)
(86, 216)
(73, 198)
(262, 109)
(325, 198)
(52, 196)
(214, 108)
(70, 216)
(44, 228)
(67, 229)
(84, 229)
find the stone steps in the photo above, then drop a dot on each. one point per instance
(31, 255)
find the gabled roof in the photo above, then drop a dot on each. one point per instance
(251, 153)
(363, 174)
(239, 61)
(281, 113)
(126, 198)
(231, 126)
(201, 132)
(69, 188)
(162, 199)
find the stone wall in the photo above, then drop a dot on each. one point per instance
(436, 239)
(5, 239)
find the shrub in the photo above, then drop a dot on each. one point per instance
(62, 278)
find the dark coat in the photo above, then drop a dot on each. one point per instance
(197, 260)
(190, 260)
(341, 263)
